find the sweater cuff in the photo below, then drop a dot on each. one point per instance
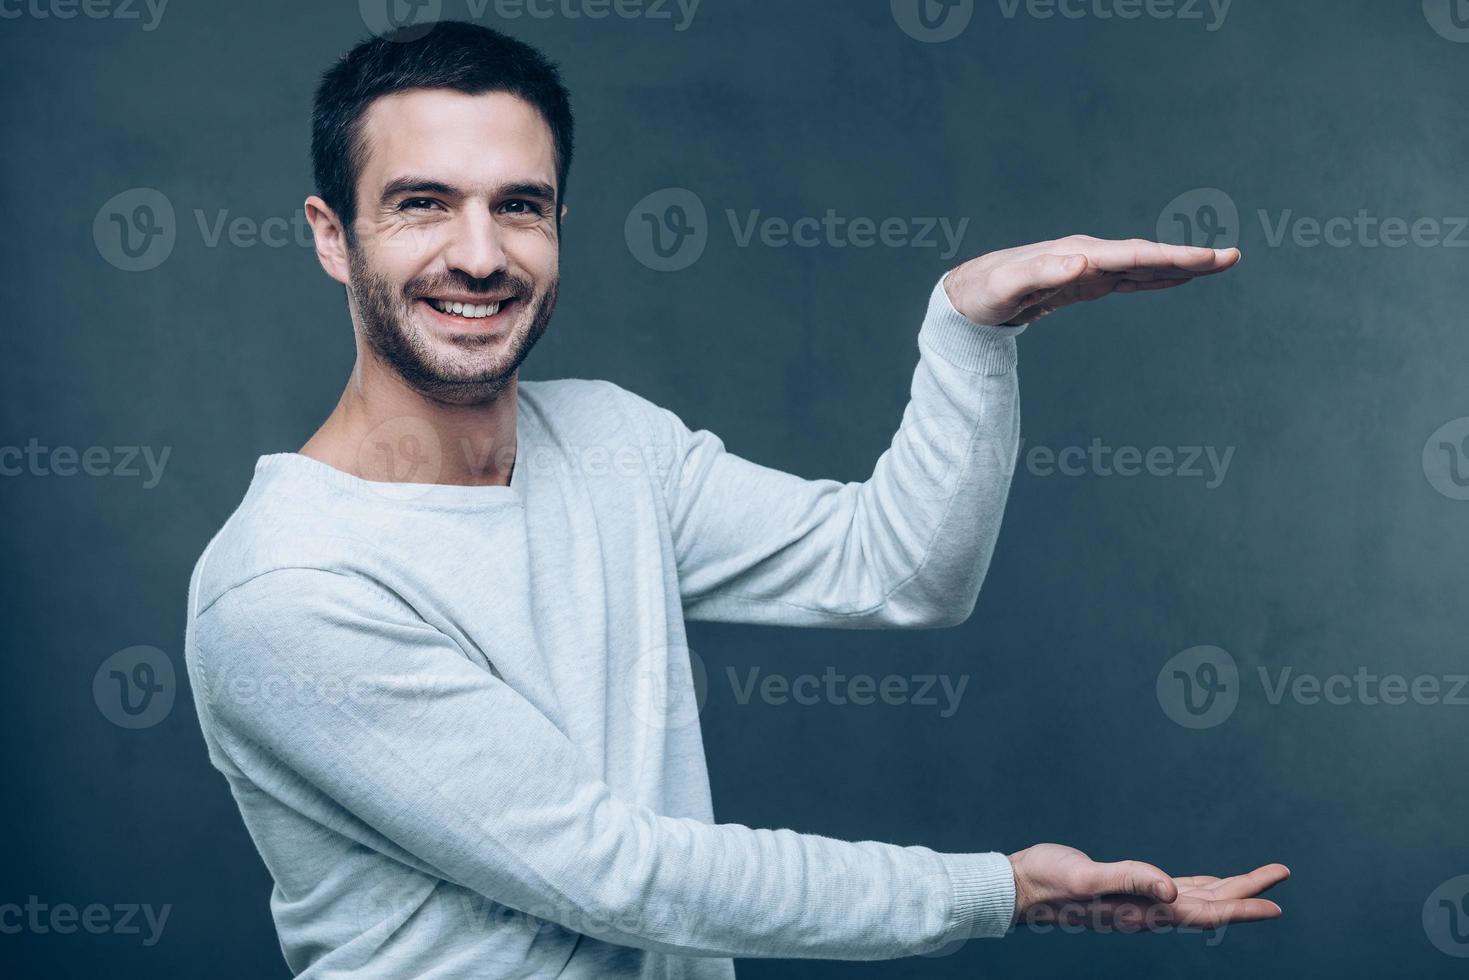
(983, 887)
(964, 343)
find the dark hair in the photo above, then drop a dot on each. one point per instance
(453, 55)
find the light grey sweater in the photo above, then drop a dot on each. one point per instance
(461, 722)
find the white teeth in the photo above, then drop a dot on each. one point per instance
(470, 311)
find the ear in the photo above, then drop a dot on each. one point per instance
(563, 212)
(330, 238)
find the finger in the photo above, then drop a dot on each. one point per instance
(1195, 881)
(1121, 256)
(1251, 884)
(1212, 915)
(1144, 286)
(1165, 272)
(1131, 878)
(1016, 282)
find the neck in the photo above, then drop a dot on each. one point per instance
(383, 430)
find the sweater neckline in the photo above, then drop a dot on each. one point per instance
(409, 493)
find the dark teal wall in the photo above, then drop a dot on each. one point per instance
(1323, 373)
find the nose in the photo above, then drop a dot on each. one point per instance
(474, 247)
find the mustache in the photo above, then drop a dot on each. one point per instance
(459, 282)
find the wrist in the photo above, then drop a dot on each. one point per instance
(1022, 898)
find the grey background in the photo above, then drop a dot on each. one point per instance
(1327, 548)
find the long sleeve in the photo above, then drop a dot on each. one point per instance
(445, 768)
(908, 547)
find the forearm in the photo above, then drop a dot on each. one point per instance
(439, 765)
(908, 547)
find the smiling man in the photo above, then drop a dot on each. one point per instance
(439, 651)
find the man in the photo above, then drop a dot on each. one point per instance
(439, 652)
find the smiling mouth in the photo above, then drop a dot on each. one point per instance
(469, 311)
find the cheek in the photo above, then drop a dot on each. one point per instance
(404, 256)
(537, 254)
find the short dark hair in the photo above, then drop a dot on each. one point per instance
(466, 58)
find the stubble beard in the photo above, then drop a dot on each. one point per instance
(471, 371)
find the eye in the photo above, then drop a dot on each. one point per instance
(524, 207)
(418, 204)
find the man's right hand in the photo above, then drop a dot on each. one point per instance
(1054, 883)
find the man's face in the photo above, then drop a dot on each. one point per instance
(454, 274)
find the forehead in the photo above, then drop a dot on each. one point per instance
(454, 137)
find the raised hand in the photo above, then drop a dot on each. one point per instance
(1020, 285)
(1054, 883)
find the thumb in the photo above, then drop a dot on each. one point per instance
(1134, 878)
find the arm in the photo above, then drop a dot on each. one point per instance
(909, 547)
(445, 768)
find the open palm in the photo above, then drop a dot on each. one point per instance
(1059, 884)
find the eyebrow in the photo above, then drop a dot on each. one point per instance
(427, 185)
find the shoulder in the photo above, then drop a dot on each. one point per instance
(282, 529)
(595, 404)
